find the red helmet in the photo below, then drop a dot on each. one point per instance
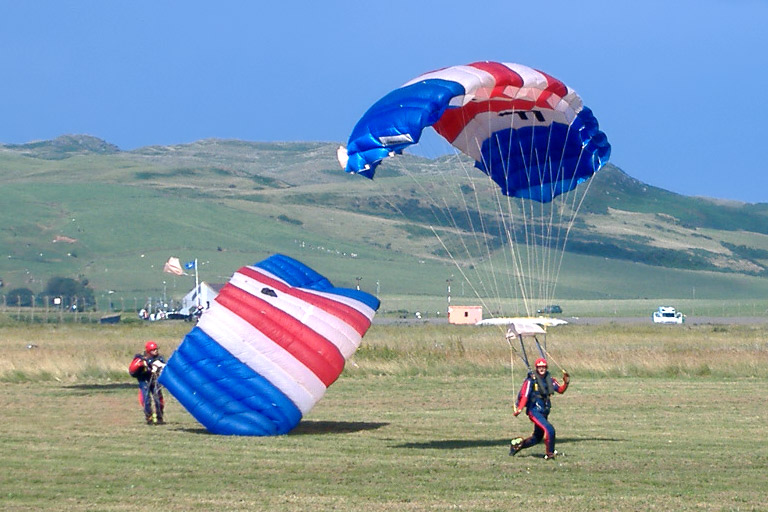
(150, 346)
(541, 362)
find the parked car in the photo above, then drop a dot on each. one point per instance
(553, 309)
(667, 315)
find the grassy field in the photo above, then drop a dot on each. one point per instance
(657, 418)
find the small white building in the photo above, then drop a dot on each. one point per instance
(207, 292)
(465, 315)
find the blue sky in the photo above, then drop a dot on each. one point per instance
(678, 86)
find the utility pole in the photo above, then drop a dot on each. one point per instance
(447, 310)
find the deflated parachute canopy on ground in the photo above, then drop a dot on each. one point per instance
(276, 336)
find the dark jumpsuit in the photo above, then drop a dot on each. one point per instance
(535, 397)
(149, 390)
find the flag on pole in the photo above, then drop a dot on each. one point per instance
(173, 266)
(190, 265)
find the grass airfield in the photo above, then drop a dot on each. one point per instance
(656, 418)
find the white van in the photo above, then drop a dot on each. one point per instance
(668, 315)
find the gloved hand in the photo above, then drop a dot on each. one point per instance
(566, 377)
(157, 366)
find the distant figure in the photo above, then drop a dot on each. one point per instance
(534, 396)
(146, 368)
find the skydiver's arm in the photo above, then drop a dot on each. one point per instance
(523, 395)
(137, 363)
(560, 388)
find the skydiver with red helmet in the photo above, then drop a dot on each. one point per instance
(146, 368)
(535, 395)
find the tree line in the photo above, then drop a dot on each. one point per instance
(60, 291)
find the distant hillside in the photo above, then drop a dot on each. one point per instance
(63, 147)
(79, 206)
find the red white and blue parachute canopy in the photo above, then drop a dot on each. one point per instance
(273, 340)
(525, 129)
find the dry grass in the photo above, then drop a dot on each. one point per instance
(74, 352)
(69, 353)
(636, 350)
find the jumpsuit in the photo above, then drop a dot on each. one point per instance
(149, 390)
(535, 397)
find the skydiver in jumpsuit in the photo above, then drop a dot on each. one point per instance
(535, 397)
(146, 368)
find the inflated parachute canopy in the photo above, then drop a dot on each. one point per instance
(525, 129)
(273, 340)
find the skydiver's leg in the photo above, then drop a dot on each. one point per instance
(546, 429)
(159, 403)
(538, 434)
(146, 399)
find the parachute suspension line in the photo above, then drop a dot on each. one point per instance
(577, 197)
(544, 238)
(559, 238)
(485, 238)
(517, 280)
(577, 200)
(434, 232)
(445, 213)
(516, 251)
(507, 233)
(466, 249)
(555, 221)
(536, 245)
(550, 358)
(538, 249)
(557, 212)
(507, 226)
(460, 270)
(554, 225)
(511, 357)
(490, 274)
(529, 236)
(480, 237)
(503, 235)
(513, 253)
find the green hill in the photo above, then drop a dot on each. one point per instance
(80, 207)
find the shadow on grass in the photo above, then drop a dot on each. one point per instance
(102, 388)
(459, 444)
(334, 427)
(315, 427)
